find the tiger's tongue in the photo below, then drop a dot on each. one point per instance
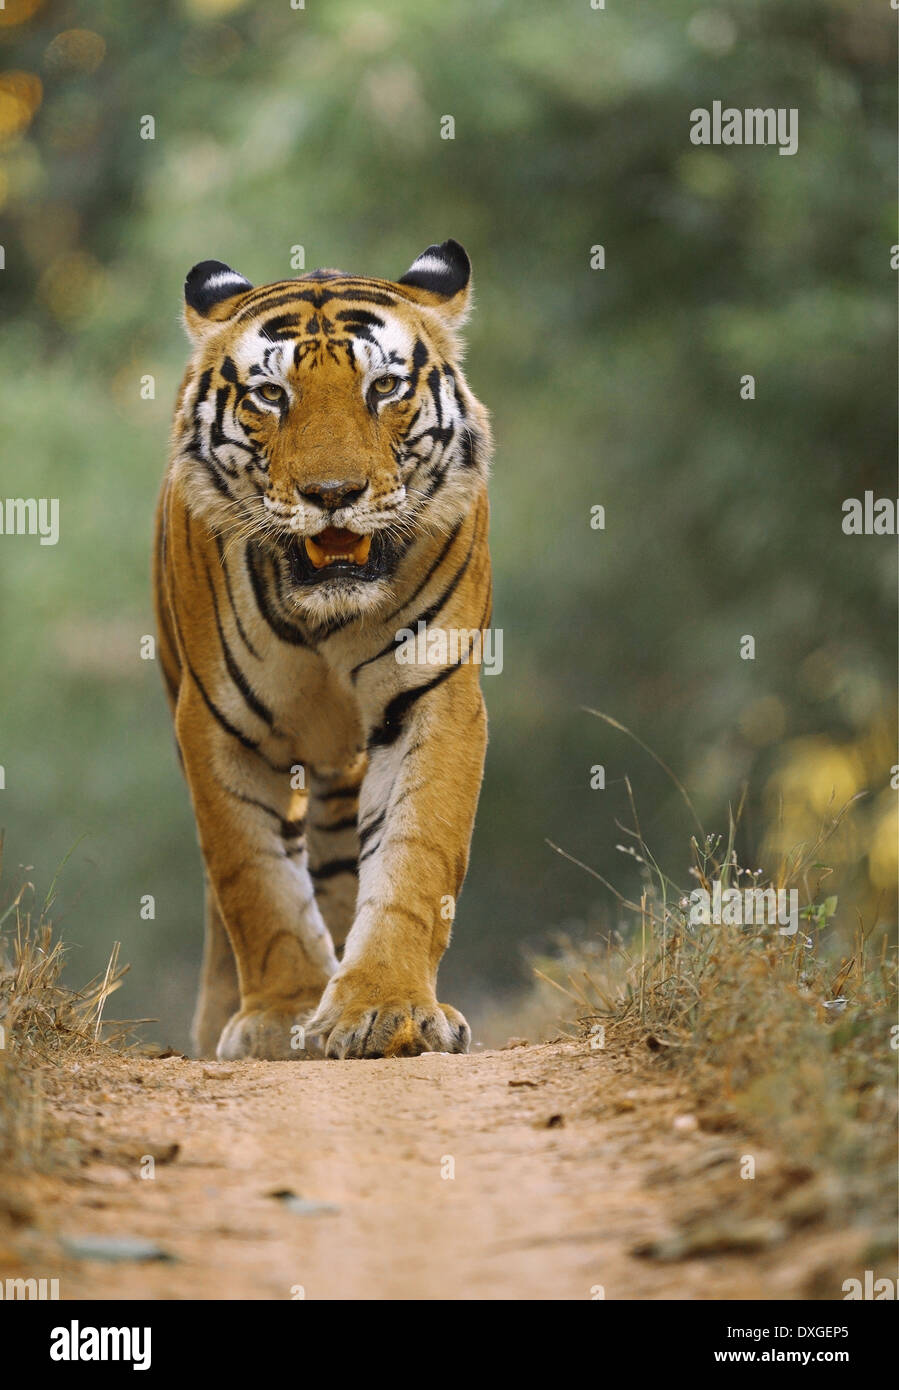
(337, 544)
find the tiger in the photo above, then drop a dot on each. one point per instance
(326, 490)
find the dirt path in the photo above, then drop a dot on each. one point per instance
(564, 1161)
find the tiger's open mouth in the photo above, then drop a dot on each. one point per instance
(336, 554)
(336, 546)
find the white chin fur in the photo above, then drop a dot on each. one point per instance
(340, 599)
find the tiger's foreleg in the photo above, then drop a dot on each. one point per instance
(416, 817)
(251, 833)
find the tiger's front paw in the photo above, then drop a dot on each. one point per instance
(356, 1022)
(272, 1034)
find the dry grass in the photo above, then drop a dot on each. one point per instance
(42, 1022)
(791, 1036)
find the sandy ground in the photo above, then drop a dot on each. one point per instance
(526, 1173)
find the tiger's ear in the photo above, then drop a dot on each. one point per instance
(441, 279)
(211, 291)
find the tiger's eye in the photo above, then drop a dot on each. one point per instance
(384, 385)
(272, 393)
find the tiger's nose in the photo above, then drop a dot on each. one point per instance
(334, 493)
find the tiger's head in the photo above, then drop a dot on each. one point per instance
(326, 418)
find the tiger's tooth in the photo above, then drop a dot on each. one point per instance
(315, 553)
(360, 552)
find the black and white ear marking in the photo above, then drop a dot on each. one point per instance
(443, 270)
(209, 283)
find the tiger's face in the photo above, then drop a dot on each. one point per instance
(328, 419)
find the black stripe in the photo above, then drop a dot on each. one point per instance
(346, 823)
(168, 646)
(283, 326)
(286, 631)
(240, 628)
(434, 388)
(214, 474)
(202, 388)
(243, 685)
(360, 318)
(469, 452)
(372, 828)
(217, 715)
(252, 801)
(392, 721)
(335, 867)
(288, 829)
(438, 477)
